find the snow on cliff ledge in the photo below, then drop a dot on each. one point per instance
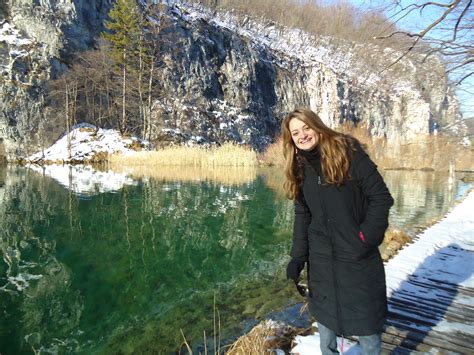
(88, 143)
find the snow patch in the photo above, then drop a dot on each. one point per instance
(10, 35)
(309, 345)
(84, 143)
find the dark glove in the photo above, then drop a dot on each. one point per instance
(293, 270)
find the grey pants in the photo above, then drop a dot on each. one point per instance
(370, 344)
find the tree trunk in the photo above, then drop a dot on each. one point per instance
(147, 134)
(124, 79)
(68, 136)
(140, 88)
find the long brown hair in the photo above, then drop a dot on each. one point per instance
(335, 148)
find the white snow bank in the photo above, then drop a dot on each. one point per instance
(457, 227)
(309, 345)
(86, 141)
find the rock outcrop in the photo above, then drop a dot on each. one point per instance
(223, 76)
(37, 39)
(236, 77)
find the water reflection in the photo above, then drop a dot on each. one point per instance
(129, 269)
(84, 180)
(421, 197)
(220, 174)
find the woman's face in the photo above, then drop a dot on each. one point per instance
(305, 138)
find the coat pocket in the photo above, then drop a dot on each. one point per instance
(351, 243)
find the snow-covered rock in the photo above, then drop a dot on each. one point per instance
(86, 143)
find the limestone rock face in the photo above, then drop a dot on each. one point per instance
(222, 77)
(235, 78)
(36, 40)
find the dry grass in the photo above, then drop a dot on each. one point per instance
(394, 240)
(228, 154)
(264, 338)
(230, 176)
(426, 152)
(273, 155)
(437, 153)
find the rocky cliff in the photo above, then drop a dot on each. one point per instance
(37, 39)
(223, 76)
(237, 76)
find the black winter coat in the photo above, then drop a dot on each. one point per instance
(346, 277)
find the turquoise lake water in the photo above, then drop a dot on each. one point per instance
(112, 264)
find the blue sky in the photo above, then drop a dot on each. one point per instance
(416, 22)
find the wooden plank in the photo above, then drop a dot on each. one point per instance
(453, 341)
(429, 316)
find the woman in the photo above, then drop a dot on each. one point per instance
(341, 214)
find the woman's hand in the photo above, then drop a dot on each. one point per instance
(294, 268)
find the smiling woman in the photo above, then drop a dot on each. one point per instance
(341, 214)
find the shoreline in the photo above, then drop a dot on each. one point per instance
(105, 163)
(87, 144)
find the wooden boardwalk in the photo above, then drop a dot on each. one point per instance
(431, 289)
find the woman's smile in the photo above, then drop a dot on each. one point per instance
(304, 137)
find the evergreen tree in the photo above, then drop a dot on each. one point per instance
(124, 35)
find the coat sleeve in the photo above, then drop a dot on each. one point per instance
(378, 199)
(299, 247)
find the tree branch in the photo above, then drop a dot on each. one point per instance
(459, 82)
(455, 32)
(418, 36)
(466, 62)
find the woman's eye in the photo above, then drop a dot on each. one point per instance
(306, 129)
(295, 134)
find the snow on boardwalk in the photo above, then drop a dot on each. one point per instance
(430, 285)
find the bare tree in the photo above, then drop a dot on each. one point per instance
(449, 35)
(152, 25)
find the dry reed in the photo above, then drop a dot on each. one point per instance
(394, 240)
(228, 154)
(273, 154)
(264, 338)
(425, 152)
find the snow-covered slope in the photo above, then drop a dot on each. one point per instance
(86, 143)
